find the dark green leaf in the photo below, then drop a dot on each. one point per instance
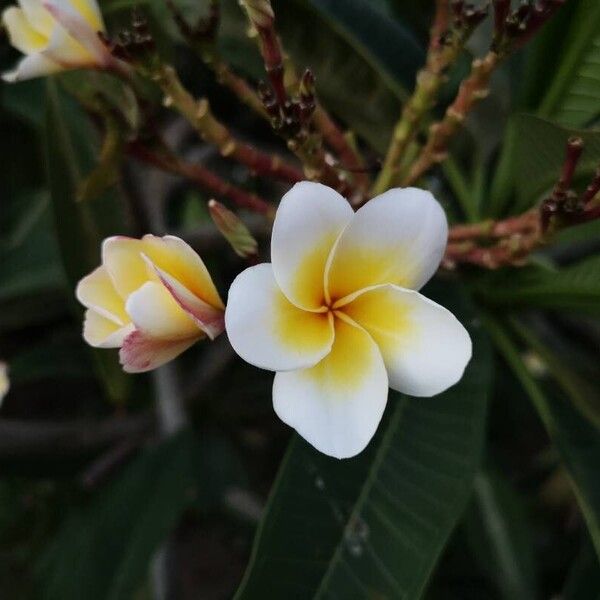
(374, 526)
(80, 226)
(577, 441)
(573, 99)
(575, 288)
(583, 582)
(500, 538)
(540, 153)
(103, 551)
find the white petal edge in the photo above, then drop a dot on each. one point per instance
(101, 332)
(424, 346)
(267, 330)
(309, 219)
(29, 67)
(337, 414)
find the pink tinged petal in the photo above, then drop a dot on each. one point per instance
(398, 237)
(270, 332)
(425, 348)
(309, 219)
(157, 314)
(176, 258)
(100, 332)
(84, 32)
(209, 319)
(141, 352)
(97, 291)
(336, 405)
(29, 67)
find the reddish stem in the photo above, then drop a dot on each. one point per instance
(202, 177)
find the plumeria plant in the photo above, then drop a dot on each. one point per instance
(394, 207)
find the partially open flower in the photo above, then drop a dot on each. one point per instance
(4, 381)
(337, 316)
(153, 298)
(55, 35)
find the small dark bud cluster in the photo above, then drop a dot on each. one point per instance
(515, 28)
(135, 45)
(291, 118)
(565, 206)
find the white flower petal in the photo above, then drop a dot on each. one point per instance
(267, 330)
(398, 238)
(209, 319)
(337, 404)
(21, 34)
(33, 65)
(100, 332)
(424, 346)
(140, 352)
(176, 258)
(309, 219)
(39, 18)
(83, 24)
(155, 312)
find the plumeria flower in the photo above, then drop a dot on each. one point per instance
(338, 316)
(56, 35)
(153, 298)
(4, 381)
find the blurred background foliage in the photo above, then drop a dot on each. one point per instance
(488, 491)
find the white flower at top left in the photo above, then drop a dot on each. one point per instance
(55, 35)
(152, 298)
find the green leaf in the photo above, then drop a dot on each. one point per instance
(29, 260)
(102, 552)
(498, 531)
(576, 440)
(583, 581)
(375, 525)
(540, 153)
(575, 288)
(574, 96)
(71, 148)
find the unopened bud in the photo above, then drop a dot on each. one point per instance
(260, 12)
(233, 230)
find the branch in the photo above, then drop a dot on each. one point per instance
(493, 244)
(199, 114)
(511, 32)
(441, 55)
(162, 158)
(306, 147)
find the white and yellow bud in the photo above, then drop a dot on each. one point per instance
(55, 35)
(152, 298)
(4, 381)
(338, 316)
